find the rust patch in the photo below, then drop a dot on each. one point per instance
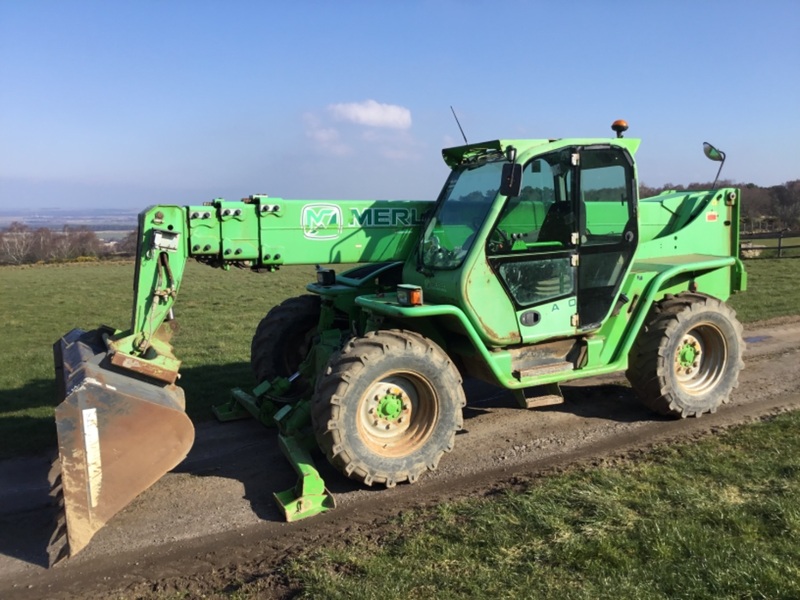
(131, 363)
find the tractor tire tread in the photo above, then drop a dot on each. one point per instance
(650, 369)
(269, 345)
(328, 409)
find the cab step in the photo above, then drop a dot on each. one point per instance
(538, 396)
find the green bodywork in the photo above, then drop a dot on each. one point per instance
(550, 284)
(258, 233)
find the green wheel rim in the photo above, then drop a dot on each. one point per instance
(700, 358)
(397, 414)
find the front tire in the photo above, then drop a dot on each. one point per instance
(283, 339)
(687, 358)
(388, 407)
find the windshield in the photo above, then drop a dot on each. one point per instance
(467, 198)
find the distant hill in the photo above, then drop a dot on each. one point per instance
(56, 218)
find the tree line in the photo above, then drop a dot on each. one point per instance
(20, 244)
(764, 209)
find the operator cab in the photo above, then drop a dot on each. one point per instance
(570, 232)
(560, 244)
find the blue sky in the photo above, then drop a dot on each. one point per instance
(127, 104)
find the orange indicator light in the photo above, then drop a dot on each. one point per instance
(409, 295)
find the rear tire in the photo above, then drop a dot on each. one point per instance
(387, 407)
(687, 358)
(283, 339)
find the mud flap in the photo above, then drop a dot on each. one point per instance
(117, 435)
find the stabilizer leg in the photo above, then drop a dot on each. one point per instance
(309, 496)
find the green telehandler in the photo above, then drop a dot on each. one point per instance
(536, 265)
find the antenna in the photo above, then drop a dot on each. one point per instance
(459, 124)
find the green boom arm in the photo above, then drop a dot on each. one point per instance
(258, 233)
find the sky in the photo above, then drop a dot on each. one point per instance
(125, 104)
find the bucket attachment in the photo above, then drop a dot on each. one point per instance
(118, 433)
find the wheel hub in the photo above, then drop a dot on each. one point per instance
(390, 407)
(688, 356)
(700, 359)
(397, 414)
(388, 410)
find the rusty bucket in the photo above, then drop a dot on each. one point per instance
(118, 433)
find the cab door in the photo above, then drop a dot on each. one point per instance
(562, 248)
(533, 248)
(608, 229)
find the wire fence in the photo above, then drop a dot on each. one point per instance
(774, 244)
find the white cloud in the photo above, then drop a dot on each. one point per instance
(373, 114)
(394, 145)
(387, 135)
(324, 135)
(326, 138)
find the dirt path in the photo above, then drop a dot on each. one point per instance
(213, 521)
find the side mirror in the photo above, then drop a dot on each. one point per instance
(712, 153)
(716, 155)
(511, 181)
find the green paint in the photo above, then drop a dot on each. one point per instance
(575, 256)
(390, 407)
(687, 355)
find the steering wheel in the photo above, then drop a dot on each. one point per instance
(498, 242)
(437, 254)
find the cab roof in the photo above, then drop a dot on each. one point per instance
(527, 148)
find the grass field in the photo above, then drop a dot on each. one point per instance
(218, 312)
(715, 519)
(710, 520)
(771, 290)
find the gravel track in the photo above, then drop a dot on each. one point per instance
(212, 520)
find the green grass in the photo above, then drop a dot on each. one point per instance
(771, 290)
(218, 312)
(715, 519)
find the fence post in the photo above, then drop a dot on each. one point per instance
(780, 245)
